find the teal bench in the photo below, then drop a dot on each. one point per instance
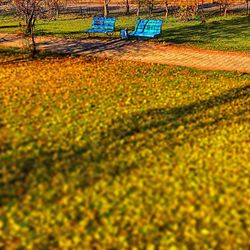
(147, 28)
(102, 25)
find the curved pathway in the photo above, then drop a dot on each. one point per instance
(140, 51)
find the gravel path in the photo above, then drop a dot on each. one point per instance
(140, 51)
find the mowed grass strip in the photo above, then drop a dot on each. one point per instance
(221, 33)
(105, 154)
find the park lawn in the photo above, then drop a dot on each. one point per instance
(109, 154)
(220, 33)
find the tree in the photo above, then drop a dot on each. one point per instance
(150, 5)
(139, 3)
(29, 11)
(203, 17)
(106, 7)
(127, 6)
(247, 2)
(224, 4)
(166, 8)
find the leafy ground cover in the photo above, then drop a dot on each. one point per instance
(231, 33)
(105, 154)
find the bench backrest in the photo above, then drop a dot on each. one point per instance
(104, 23)
(148, 26)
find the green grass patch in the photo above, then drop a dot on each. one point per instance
(220, 33)
(105, 154)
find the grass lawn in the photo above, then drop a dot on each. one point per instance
(220, 33)
(106, 154)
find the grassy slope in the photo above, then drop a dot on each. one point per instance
(220, 33)
(114, 155)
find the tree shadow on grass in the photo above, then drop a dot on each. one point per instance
(205, 33)
(189, 116)
(90, 47)
(58, 46)
(14, 56)
(61, 33)
(8, 26)
(95, 159)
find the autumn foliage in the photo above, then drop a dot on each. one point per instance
(105, 154)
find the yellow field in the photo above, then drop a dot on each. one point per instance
(105, 154)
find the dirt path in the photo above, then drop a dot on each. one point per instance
(140, 51)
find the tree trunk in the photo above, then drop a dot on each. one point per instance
(225, 7)
(105, 9)
(186, 10)
(29, 24)
(150, 7)
(138, 8)
(196, 7)
(127, 7)
(57, 9)
(166, 8)
(203, 17)
(225, 11)
(33, 44)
